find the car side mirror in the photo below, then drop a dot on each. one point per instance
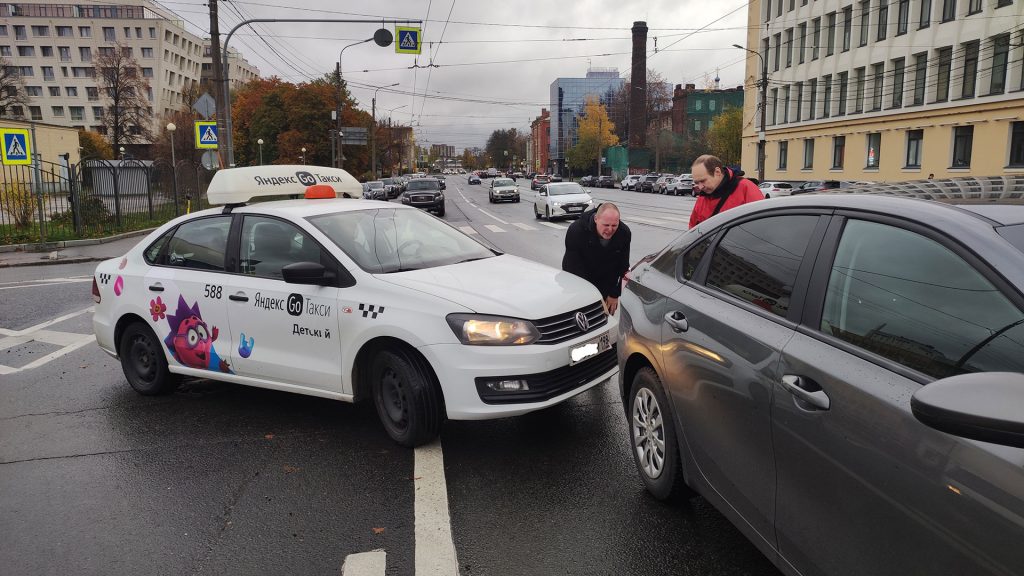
(307, 273)
(981, 406)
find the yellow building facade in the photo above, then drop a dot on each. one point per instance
(885, 90)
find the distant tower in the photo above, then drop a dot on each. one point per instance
(638, 88)
(718, 81)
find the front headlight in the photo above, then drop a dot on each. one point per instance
(556, 204)
(480, 330)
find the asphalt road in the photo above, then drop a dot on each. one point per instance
(224, 479)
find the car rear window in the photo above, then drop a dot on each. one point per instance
(1013, 234)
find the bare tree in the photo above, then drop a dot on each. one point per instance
(128, 116)
(658, 101)
(13, 96)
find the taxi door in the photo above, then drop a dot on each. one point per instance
(183, 294)
(286, 333)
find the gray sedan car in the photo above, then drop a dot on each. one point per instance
(840, 375)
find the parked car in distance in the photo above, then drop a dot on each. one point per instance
(503, 190)
(375, 190)
(394, 186)
(561, 200)
(539, 180)
(774, 189)
(662, 182)
(820, 185)
(425, 193)
(556, 178)
(683, 185)
(588, 180)
(812, 366)
(629, 182)
(441, 182)
(491, 173)
(647, 183)
(605, 182)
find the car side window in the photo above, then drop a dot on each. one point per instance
(199, 244)
(152, 253)
(758, 261)
(910, 299)
(269, 244)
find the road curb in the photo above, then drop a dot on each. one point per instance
(51, 246)
(50, 262)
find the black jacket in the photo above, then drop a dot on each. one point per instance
(602, 266)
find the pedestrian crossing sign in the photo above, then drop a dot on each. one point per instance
(16, 148)
(410, 40)
(206, 135)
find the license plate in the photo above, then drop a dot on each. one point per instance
(581, 352)
(573, 209)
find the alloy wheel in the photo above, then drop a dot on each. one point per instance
(648, 433)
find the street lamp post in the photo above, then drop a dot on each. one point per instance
(763, 84)
(174, 167)
(303, 154)
(121, 150)
(260, 142)
(506, 159)
(373, 130)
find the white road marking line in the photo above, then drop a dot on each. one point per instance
(491, 215)
(42, 325)
(435, 549)
(494, 227)
(468, 229)
(82, 341)
(644, 220)
(64, 279)
(365, 564)
(552, 225)
(522, 226)
(59, 281)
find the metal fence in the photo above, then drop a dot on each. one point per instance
(48, 201)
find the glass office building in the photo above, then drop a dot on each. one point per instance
(568, 95)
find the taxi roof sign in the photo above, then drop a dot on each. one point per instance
(239, 185)
(16, 146)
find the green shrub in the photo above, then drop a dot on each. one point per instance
(17, 199)
(92, 213)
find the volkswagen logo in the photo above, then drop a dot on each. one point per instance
(582, 322)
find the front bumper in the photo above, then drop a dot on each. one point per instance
(499, 196)
(425, 202)
(564, 210)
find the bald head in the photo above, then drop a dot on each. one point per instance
(606, 220)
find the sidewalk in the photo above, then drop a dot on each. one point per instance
(70, 251)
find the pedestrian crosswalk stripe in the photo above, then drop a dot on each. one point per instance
(468, 229)
(552, 225)
(522, 226)
(493, 227)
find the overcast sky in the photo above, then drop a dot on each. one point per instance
(495, 60)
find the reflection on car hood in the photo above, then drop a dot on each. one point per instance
(504, 285)
(563, 198)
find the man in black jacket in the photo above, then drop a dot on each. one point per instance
(597, 250)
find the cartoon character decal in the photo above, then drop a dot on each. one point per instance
(245, 347)
(191, 341)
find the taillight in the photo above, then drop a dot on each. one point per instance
(95, 291)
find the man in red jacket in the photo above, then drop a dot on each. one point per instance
(718, 189)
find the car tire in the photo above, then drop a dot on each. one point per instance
(407, 399)
(144, 362)
(547, 213)
(440, 212)
(536, 214)
(767, 196)
(517, 199)
(653, 438)
(490, 199)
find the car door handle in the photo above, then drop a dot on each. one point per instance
(240, 297)
(156, 287)
(798, 386)
(677, 320)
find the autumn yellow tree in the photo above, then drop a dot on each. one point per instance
(726, 135)
(595, 133)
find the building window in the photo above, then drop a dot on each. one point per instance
(25, 70)
(47, 72)
(915, 138)
(127, 33)
(816, 38)
(775, 106)
(858, 92)
(883, 19)
(54, 91)
(973, 7)
(5, 51)
(1000, 51)
(152, 33)
(785, 105)
(903, 18)
(71, 91)
(847, 27)
(65, 32)
(58, 111)
(41, 31)
(147, 52)
(65, 53)
(698, 105)
(778, 8)
(808, 153)
(789, 48)
(831, 33)
(865, 18)
(97, 112)
(843, 91)
(92, 93)
(147, 72)
(109, 34)
(799, 101)
(897, 82)
(874, 150)
(826, 110)
(920, 75)
(778, 49)
(696, 126)
(813, 99)
(34, 90)
(138, 32)
(963, 139)
(876, 97)
(945, 67)
(803, 42)
(85, 54)
(27, 51)
(1001, 3)
(47, 51)
(711, 105)
(948, 10)
(36, 112)
(970, 69)
(85, 31)
(3, 30)
(1016, 144)
(20, 33)
(77, 112)
(838, 151)
(783, 153)
(926, 14)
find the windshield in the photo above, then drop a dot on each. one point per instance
(423, 184)
(398, 240)
(503, 182)
(565, 188)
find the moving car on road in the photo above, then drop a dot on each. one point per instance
(561, 200)
(503, 189)
(473, 179)
(348, 300)
(841, 376)
(538, 181)
(425, 193)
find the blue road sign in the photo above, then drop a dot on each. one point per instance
(410, 40)
(16, 147)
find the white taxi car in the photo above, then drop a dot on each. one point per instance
(349, 299)
(561, 200)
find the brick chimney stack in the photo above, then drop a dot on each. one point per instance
(638, 88)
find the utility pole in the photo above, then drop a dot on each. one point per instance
(220, 96)
(337, 134)
(763, 85)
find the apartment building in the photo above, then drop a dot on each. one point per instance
(886, 90)
(55, 46)
(240, 70)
